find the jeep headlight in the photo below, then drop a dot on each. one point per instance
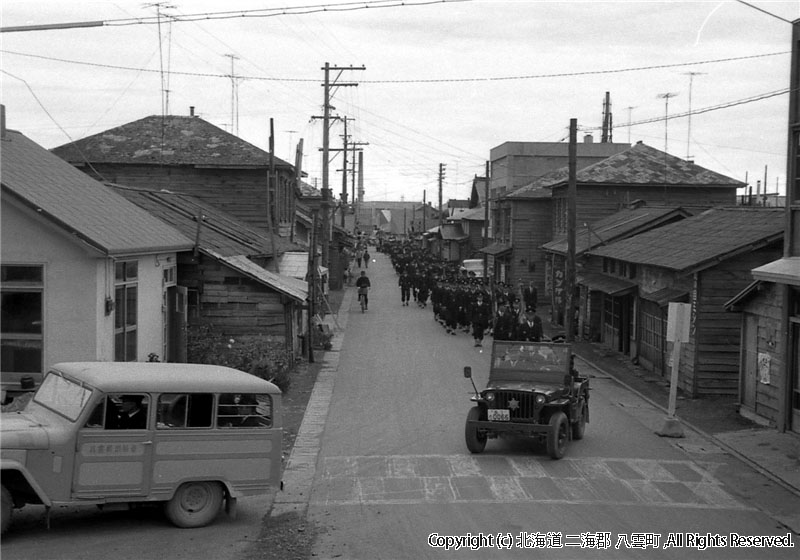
(539, 399)
(489, 396)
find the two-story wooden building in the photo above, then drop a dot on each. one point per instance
(705, 258)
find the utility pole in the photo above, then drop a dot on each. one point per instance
(486, 226)
(298, 178)
(572, 196)
(666, 97)
(424, 211)
(344, 172)
(326, 193)
(441, 211)
(608, 130)
(272, 201)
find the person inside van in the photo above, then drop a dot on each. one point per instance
(132, 414)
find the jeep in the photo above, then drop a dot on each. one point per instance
(533, 390)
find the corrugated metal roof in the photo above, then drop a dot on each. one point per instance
(608, 229)
(170, 140)
(292, 287)
(220, 231)
(697, 241)
(79, 204)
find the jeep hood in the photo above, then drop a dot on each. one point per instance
(19, 430)
(548, 389)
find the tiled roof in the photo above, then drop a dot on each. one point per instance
(170, 140)
(643, 165)
(623, 223)
(638, 165)
(696, 242)
(221, 232)
(79, 204)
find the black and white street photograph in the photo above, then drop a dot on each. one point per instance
(399, 279)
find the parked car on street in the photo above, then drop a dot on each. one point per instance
(533, 390)
(120, 434)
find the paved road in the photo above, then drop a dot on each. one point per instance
(393, 468)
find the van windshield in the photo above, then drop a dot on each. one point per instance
(63, 396)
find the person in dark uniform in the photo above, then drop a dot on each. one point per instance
(480, 318)
(531, 328)
(132, 414)
(405, 287)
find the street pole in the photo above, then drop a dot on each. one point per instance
(486, 226)
(326, 194)
(572, 195)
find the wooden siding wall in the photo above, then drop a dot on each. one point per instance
(530, 229)
(233, 304)
(239, 192)
(714, 366)
(595, 202)
(767, 307)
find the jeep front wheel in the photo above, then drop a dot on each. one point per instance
(195, 504)
(476, 441)
(5, 511)
(557, 435)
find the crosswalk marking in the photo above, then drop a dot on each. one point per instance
(427, 479)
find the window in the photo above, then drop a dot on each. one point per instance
(238, 410)
(120, 412)
(125, 318)
(22, 318)
(187, 410)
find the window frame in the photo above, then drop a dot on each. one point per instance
(26, 287)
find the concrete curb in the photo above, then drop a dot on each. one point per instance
(301, 468)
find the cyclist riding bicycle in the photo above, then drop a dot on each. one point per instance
(363, 286)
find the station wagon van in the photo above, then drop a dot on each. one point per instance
(190, 436)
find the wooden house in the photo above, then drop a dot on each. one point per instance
(535, 214)
(86, 274)
(762, 365)
(591, 283)
(189, 155)
(229, 280)
(707, 259)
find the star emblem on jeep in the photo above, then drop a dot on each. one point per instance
(513, 404)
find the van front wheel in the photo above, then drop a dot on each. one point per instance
(195, 504)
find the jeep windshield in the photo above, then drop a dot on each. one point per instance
(530, 361)
(63, 396)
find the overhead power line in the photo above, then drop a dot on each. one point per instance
(239, 14)
(408, 81)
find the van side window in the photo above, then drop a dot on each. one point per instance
(120, 412)
(244, 410)
(185, 410)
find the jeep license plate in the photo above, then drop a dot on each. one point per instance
(498, 415)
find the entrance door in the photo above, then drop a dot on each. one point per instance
(794, 366)
(749, 361)
(112, 460)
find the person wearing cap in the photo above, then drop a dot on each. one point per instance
(531, 328)
(28, 386)
(132, 415)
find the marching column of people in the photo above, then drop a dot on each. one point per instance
(460, 301)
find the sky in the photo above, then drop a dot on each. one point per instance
(432, 82)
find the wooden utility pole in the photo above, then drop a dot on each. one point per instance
(311, 280)
(326, 193)
(486, 226)
(424, 211)
(441, 211)
(272, 202)
(572, 196)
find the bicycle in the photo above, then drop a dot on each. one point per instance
(362, 298)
